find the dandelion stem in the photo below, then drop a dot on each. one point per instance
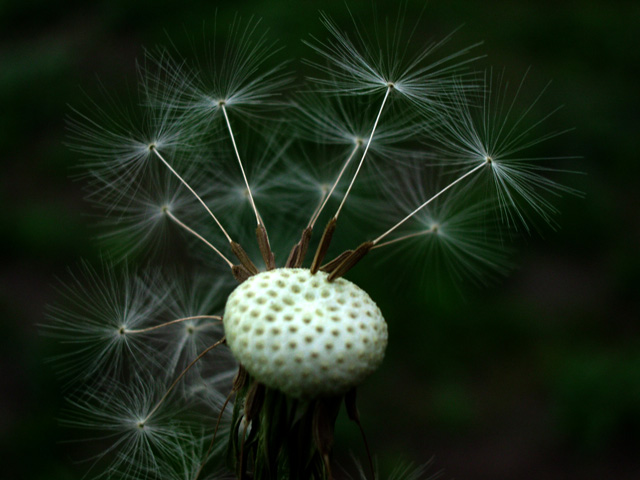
(354, 415)
(316, 214)
(405, 237)
(235, 148)
(192, 191)
(197, 235)
(184, 372)
(319, 207)
(172, 322)
(473, 170)
(366, 149)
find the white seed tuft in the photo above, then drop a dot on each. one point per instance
(303, 335)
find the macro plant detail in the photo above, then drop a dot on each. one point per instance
(241, 358)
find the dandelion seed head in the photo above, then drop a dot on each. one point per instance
(238, 80)
(493, 130)
(231, 181)
(95, 317)
(365, 65)
(140, 435)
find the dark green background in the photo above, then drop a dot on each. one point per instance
(537, 377)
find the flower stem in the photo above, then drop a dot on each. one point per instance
(473, 170)
(173, 322)
(184, 372)
(192, 191)
(315, 216)
(197, 235)
(366, 149)
(244, 176)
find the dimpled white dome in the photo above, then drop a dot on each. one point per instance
(300, 334)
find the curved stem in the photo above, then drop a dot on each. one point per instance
(172, 322)
(184, 372)
(404, 237)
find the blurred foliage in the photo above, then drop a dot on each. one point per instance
(536, 377)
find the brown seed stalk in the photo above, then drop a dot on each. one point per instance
(265, 247)
(323, 246)
(333, 264)
(349, 262)
(241, 255)
(299, 250)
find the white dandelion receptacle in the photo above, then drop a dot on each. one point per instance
(301, 334)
